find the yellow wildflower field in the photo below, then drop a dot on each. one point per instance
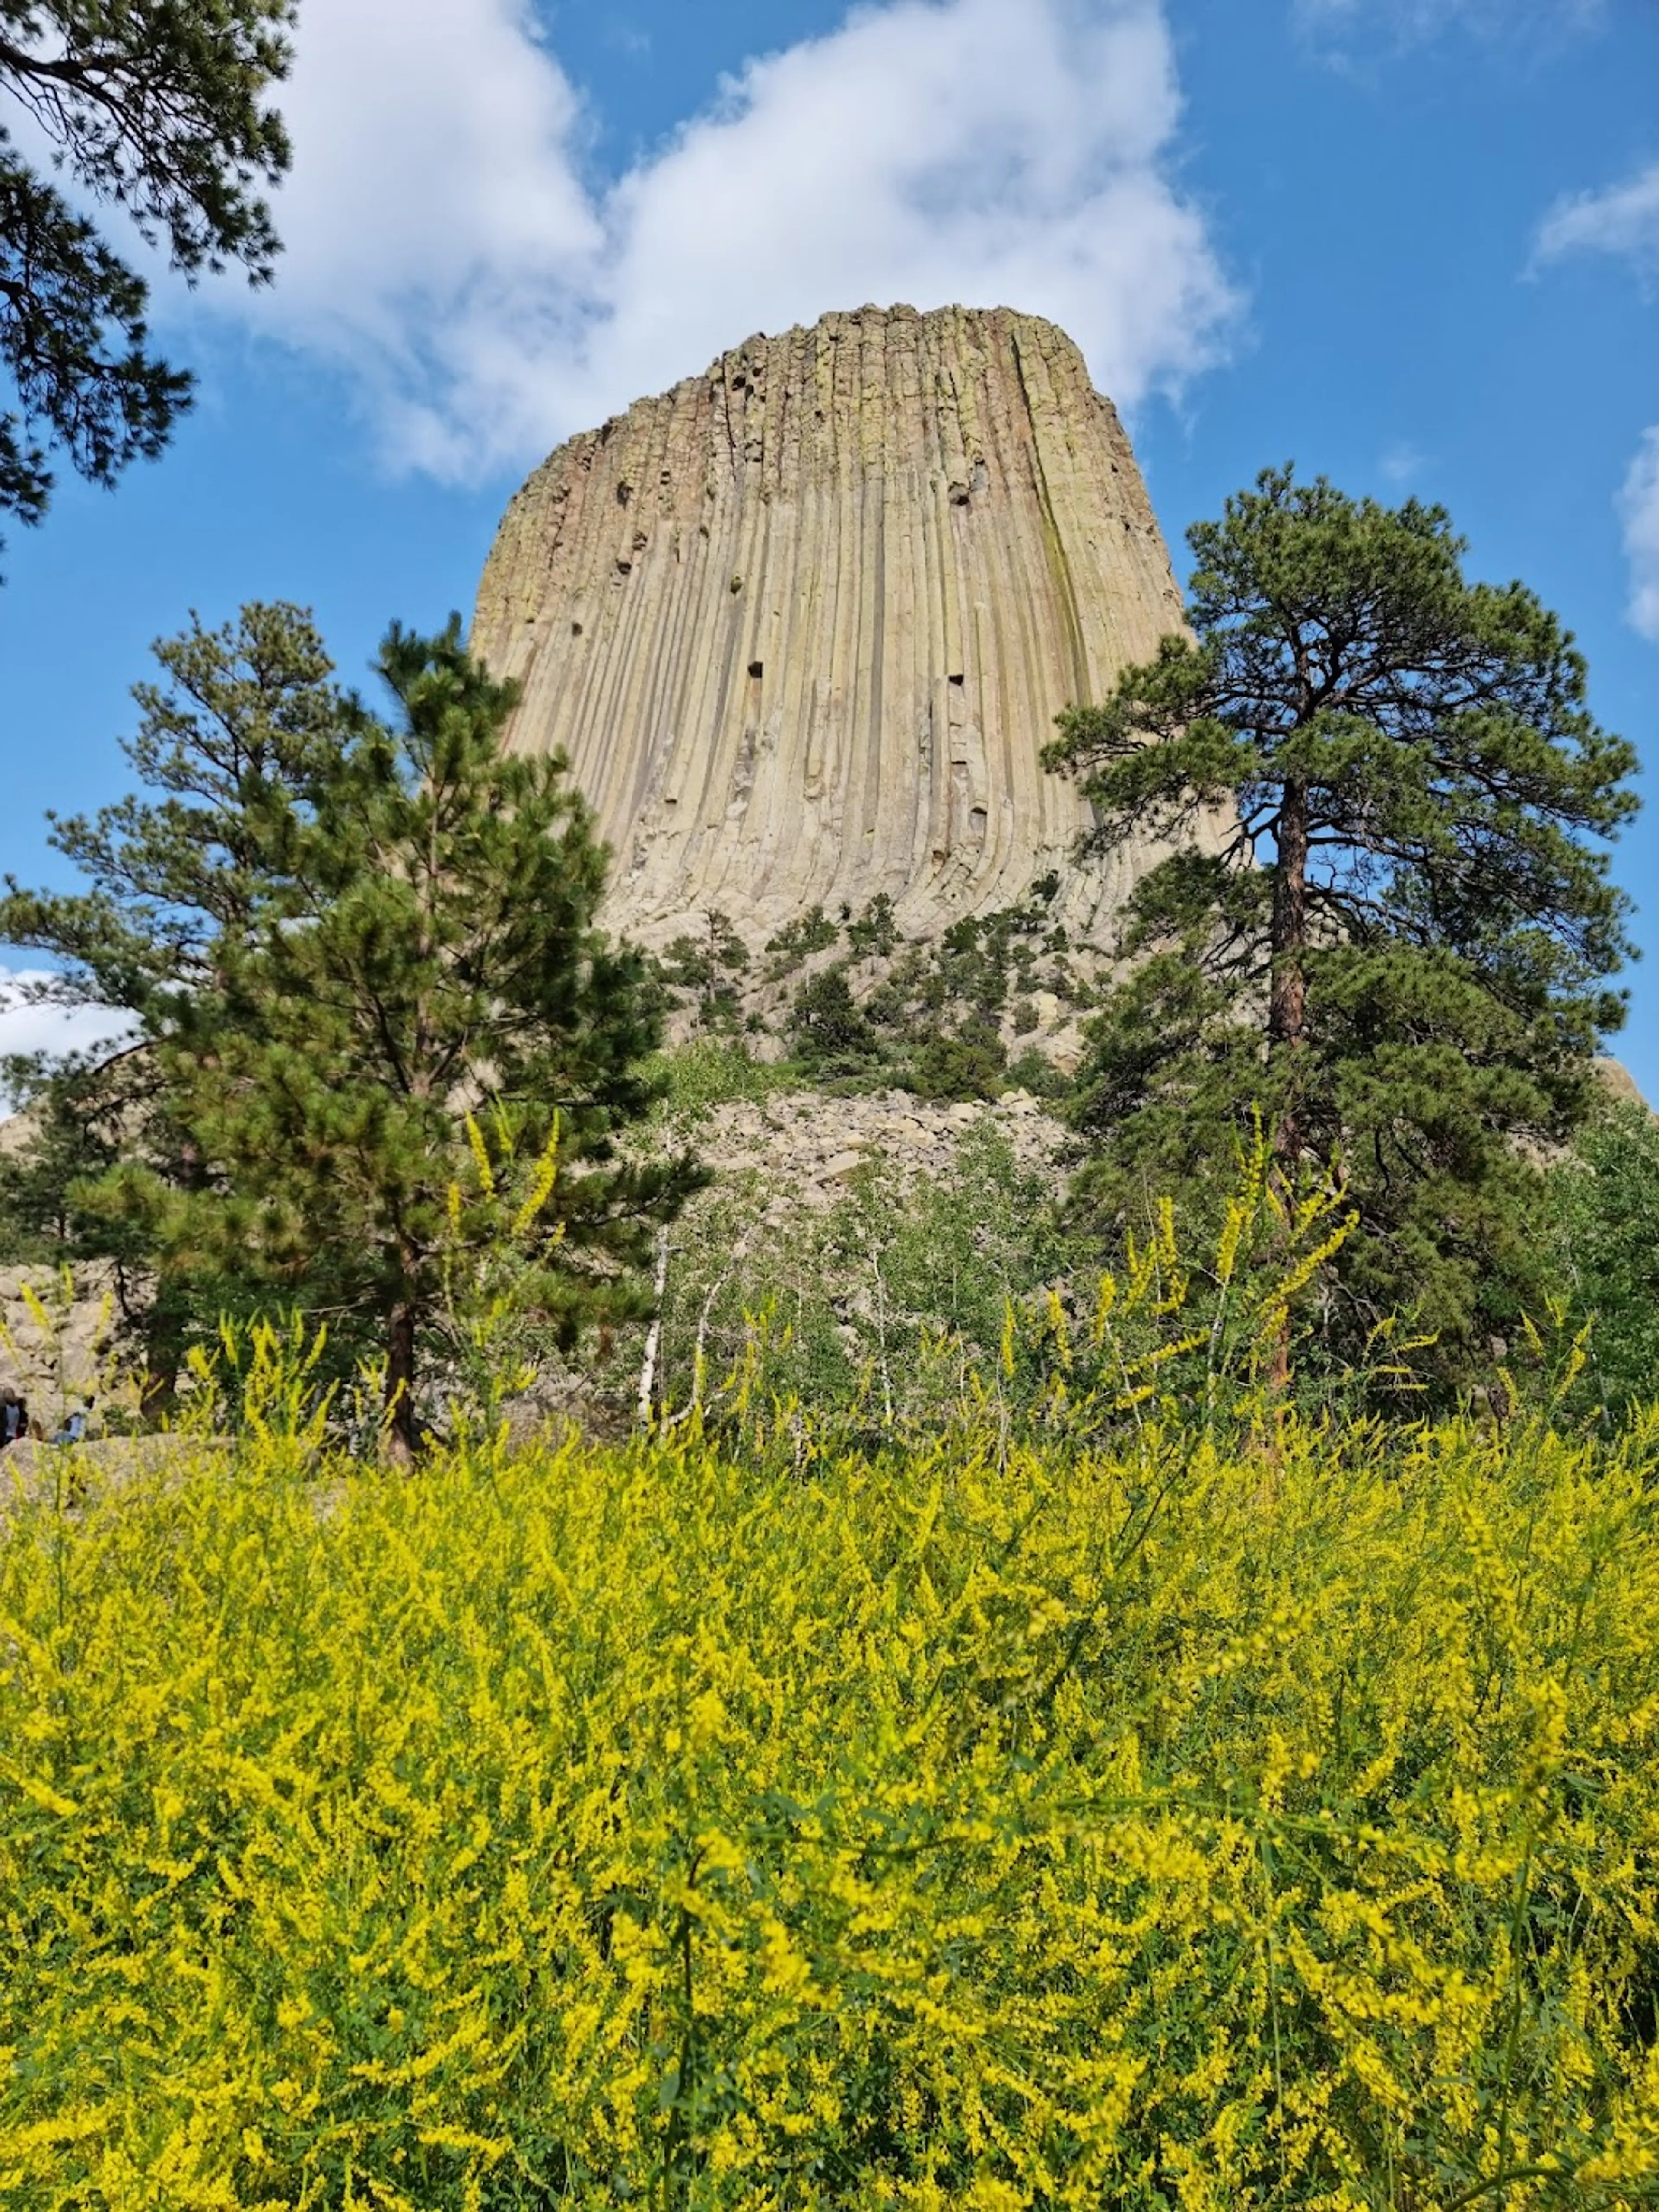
(976, 1827)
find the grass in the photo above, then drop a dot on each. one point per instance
(713, 1071)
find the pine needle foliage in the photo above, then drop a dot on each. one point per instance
(1601, 1227)
(343, 936)
(171, 873)
(1387, 921)
(163, 108)
(989, 1829)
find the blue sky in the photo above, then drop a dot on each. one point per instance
(1411, 244)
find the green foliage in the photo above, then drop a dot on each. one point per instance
(1600, 1233)
(1033, 1071)
(916, 1304)
(1387, 924)
(69, 1133)
(971, 1064)
(864, 1318)
(829, 1034)
(503, 1293)
(707, 970)
(243, 710)
(162, 107)
(339, 935)
(1446, 1197)
(988, 1827)
(969, 974)
(932, 1022)
(811, 932)
(50, 1216)
(247, 718)
(875, 931)
(711, 1070)
(269, 1384)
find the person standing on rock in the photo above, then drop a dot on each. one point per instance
(75, 1424)
(14, 1417)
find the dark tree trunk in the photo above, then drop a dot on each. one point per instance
(399, 1409)
(162, 1334)
(158, 1390)
(1287, 1009)
(1287, 1015)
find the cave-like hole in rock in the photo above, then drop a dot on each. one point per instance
(757, 668)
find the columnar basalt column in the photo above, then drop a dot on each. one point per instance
(802, 624)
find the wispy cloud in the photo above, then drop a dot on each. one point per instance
(1623, 219)
(1340, 24)
(448, 250)
(1639, 505)
(1403, 464)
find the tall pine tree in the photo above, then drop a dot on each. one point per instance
(173, 878)
(389, 935)
(1401, 952)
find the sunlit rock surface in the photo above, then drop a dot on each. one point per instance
(803, 623)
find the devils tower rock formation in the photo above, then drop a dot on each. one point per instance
(802, 624)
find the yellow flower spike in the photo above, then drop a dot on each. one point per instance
(480, 1152)
(1232, 1230)
(542, 1184)
(1166, 1231)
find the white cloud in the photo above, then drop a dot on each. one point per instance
(1624, 220)
(447, 248)
(1408, 22)
(30, 1023)
(1639, 505)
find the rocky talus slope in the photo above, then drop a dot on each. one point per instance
(803, 623)
(804, 1149)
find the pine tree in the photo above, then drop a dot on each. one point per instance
(1399, 948)
(159, 106)
(706, 969)
(377, 956)
(172, 880)
(1599, 1227)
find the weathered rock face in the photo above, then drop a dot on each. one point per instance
(802, 625)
